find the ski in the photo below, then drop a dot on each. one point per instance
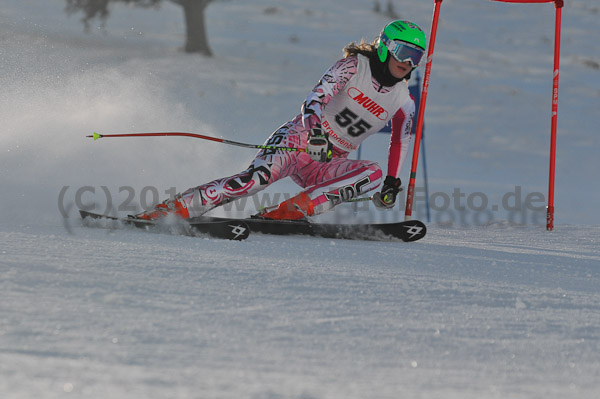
(239, 229)
(411, 230)
(229, 229)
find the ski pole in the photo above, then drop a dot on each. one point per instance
(363, 199)
(97, 136)
(360, 199)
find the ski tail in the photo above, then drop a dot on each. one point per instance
(229, 229)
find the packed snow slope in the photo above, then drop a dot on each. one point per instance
(488, 305)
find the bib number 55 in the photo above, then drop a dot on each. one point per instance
(351, 122)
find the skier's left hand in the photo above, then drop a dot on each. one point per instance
(319, 148)
(387, 197)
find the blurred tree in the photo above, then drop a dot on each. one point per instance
(196, 39)
(390, 11)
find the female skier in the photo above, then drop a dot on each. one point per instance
(355, 98)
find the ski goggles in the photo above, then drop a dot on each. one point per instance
(402, 51)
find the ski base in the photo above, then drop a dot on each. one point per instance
(225, 228)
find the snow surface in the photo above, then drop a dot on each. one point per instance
(488, 305)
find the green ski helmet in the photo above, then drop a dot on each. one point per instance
(404, 40)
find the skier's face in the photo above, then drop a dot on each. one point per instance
(399, 69)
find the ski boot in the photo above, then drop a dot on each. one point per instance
(175, 206)
(295, 208)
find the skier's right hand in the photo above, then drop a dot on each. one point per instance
(387, 197)
(319, 148)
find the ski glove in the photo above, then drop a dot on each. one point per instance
(319, 148)
(387, 197)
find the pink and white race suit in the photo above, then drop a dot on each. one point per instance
(350, 105)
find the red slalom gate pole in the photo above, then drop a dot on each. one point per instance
(526, 1)
(410, 194)
(557, 30)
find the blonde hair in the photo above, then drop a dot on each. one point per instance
(364, 48)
